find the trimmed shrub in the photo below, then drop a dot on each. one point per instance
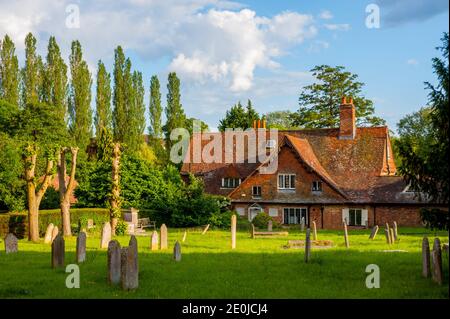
(121, 228)
(261, 220)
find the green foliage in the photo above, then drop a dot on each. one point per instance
(174, 110)
(51, 199)
(319, 102)
(261, 220)
(103, 115)
(32, 73)
(9, 72)
(119, 95)
(135, 115)
(238, 117)
(155, 108)
(121, 228)
(435, 218)
(424, 146)
(221, 219)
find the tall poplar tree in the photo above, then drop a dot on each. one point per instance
(80, 98)
(103, 114)
(155, 128)
(174, 110)
(31, 72)
(55, 79)
(9, 72)
(120, 124)
(135, 114)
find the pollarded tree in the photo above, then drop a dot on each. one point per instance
(319, 102)
(66, 187)
(103, 114)
(9, 72)
(114, 198)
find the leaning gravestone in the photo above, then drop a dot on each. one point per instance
(154, 242)
(314, 230)
(307, 245)
(130, 266)
(11, 243)
(425, 258)
(106, 235)
(395, 231)
(269, 225)
(347, 244)
(388, 236)
(48, 233)
(391, 236)
(184, 236)
(205, 230)
(114, 261)
(58, 251)
(81, 247)
(374, 232)
(55, 232)
(163, 234)
(436, 257)
(177, 251)
(233, 231)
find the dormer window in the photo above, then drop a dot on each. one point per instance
(316, 186)
(286, 181)
(256, 191)
(230, 182)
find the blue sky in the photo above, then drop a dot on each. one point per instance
(225, 51)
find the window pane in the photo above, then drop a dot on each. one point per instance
(292, 181)
(358, 217)
(280, 181)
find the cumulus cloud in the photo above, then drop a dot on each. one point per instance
(326, 15)
(337, 27)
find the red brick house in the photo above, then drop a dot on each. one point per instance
(326, 175)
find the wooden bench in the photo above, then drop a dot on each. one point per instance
(267, 233)
(146, 223)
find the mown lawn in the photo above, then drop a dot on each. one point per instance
(257, 268)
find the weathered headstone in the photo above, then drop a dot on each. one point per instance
(374, 232)
(11, 243)
(114, 262)
(163, 234)
(389, 241)
(154, 242)
(233, 231)
(55, 232)
(425, 258)
(307, 245)
(388, 236)
(302, 224)
(106, 235)
(130, 266)
(58, 251)
(205, 230)
(184, 236)
(436, 257)
(347, 244)
(81, 247)
(314, 230)
(252, 231)
(177, 251)
(48, 233)
(395, 231)
(391, 233)
(269, 225)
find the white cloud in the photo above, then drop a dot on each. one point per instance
(412, 61)
(318, 46)
(326, 15)
(338, 27)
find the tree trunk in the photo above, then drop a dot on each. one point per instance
(115, 192)
(33, 222)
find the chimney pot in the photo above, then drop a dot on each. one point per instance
(347, 116)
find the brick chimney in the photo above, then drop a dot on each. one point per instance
(347, 125)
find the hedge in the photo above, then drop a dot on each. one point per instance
(17, 223)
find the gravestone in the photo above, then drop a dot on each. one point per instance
(48, 233)
(391, 233)
(11, 243)
(374, 232)
(233, 231)
(184, 236)
(131, 217)
(395, 231)
(130, 266)
(154, 242)
(269, 225)
(205, 230)
(425, 258)
(114, 261)
(81, 247)
(106, 235)
(307, 245)
(436, 258)
(163, 234)
(58, 251)
(314, 230)
(90, 223)
(177, 251)
(302, 224)
(55, 232)
(389, 241)
(388, 236)
(253, 231)
(347, 244)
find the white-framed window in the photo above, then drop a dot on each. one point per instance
(240, 211)
(273, 212)
(355, 216)
(293, 215)
(286, 181)
(316, 186)
(256, 191)
(230, 182)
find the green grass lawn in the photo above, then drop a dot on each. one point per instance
(257, 268)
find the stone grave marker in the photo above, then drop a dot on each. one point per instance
(130, 266)
(114, 262)
(389, 241)
(11, 244)
(391, 235)
(269, 225)
(48, 233)
(395, 231)
(436, 257)
(314, 230)
(374, 232)
(205, 230)
(58, 251)
(177, 251)
(163, 234)
(347, 244)
(154, 241)
(233, 231)
(184, 236)
(307, 245)
(55, 232)
(425, 258)
(81, 247)
(302, 224)
(388, 236)
(106, 235)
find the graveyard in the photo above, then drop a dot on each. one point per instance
(206, 266)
